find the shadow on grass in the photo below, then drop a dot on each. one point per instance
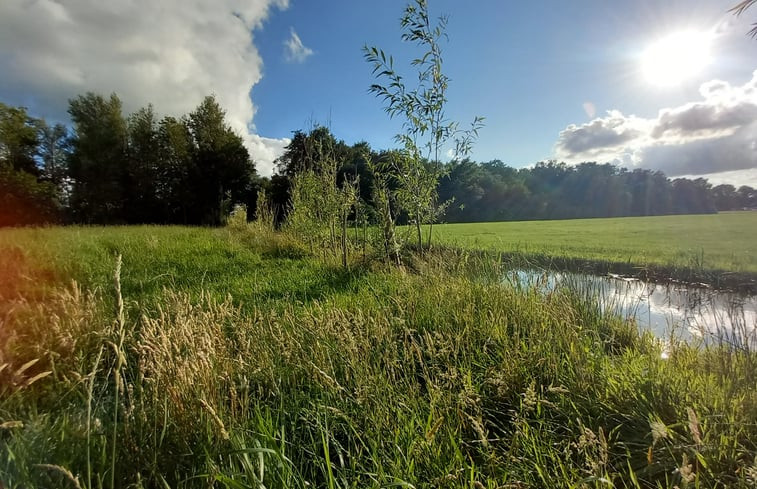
(319, 283)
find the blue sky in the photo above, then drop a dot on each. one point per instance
(556, 79)
(529, 68)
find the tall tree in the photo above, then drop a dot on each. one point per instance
(310, 151)
(98, 162)
(692, 196)
(142, 204)
(174, 188)
(18, 139)
(25, 197)
(747, 197)
(725, 197)
(54, 149)
(222, 167)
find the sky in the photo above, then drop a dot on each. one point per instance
(665, 85)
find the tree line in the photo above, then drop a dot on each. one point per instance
(494, 191)
(111, 169)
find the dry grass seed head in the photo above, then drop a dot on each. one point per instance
(184, 352)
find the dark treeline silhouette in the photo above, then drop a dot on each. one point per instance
(116, 169)
(110, 169)
(493, 191)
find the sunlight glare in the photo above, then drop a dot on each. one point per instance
(676, 58)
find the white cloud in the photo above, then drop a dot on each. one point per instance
(170, 53)
(294, 50)
(266, 150)
(736, 178)
(713, 135)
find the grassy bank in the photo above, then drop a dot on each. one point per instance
(704, 247)
(220, 358)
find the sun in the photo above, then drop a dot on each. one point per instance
(675, 58)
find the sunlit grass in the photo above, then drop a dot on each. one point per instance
(245, 361)
(723, 242)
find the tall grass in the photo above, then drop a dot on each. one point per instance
(376, 377)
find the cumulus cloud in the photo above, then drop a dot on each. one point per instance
(294, 50)
(608, 133)
(709, 136)
(170, 53)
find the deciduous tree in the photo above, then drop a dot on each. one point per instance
(18, 139)
(98, 163)
(222, 166)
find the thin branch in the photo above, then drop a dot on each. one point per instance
(740, 9)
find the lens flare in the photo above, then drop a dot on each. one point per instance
(676, 58)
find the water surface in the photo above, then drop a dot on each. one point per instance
(687, 311)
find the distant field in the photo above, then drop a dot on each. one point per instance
(725, 241)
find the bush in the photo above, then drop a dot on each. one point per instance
(26, 201)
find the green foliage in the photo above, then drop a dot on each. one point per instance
(142, 167)
(175, 185)
(319, 208)
(240, 368)
(136, 169)
(18, 139)
(26, 201)
(314, 208)
(98, 165)
(265, 218)
(311, 151)
(348, 200)
(222, 166)
(54, 149)
(382, 200)
(417, 167)
(238, 217)
(493, 191)
(28, 196)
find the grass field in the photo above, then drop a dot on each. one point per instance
(722, 242)
(196, 261)
(234, 358)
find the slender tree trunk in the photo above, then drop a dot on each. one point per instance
(420, 234)
(390, 239)
(430, 230)
(344, 240)
(365, 236)
(418, 228)
(333, 235)
(357, 236)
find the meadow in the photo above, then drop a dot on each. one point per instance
(715, 244)
(235, 357)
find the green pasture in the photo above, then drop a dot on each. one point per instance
(724, 242)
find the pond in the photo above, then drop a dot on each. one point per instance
(687, 311)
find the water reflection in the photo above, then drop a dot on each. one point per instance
(685, 310)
